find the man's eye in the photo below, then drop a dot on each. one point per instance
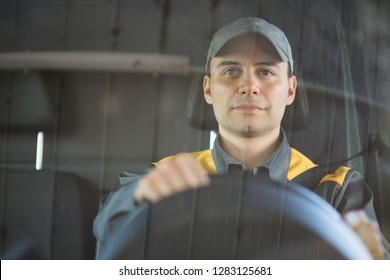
(230, 72)
(265, 72)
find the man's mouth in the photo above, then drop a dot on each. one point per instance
(250, 108)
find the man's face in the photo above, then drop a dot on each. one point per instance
(248, 87)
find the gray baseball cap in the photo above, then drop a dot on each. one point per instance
(251, 25)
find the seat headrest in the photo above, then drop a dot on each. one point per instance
(201, 116)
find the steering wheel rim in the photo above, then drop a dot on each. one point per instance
(236, 218)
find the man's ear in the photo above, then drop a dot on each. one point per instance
(206, 89)
(292, 88)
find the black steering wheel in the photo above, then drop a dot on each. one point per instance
(236, 218)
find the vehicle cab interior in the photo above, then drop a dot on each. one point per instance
(89, 89)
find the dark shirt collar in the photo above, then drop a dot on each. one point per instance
(276, 166)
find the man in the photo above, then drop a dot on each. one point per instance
(249, 83)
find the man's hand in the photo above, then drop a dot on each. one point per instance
(367, 230)
(172, 176)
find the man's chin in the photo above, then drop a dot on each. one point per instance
(254, 131)
(251, 132)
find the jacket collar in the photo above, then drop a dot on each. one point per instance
(276, 166)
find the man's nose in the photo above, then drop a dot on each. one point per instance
(249, 85)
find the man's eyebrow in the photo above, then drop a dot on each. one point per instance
(228, 62)
(260, 63)
(268, 63)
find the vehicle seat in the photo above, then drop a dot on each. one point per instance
(47, 215)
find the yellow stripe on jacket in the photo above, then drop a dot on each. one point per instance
(338, 176)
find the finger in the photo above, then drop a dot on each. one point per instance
(155, 185)
(145, 192)
(172, 176)
(369, 233)
(182, 172)
(356, 218)
(193, 174)
(158, 182)
(171, 173)
(367, 230)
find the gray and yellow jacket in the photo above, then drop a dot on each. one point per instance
(344, 188)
